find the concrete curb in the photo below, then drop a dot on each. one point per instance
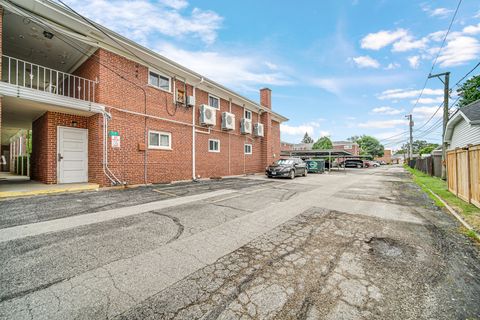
(454, 213)
(12, 194)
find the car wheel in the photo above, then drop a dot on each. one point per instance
(292, 174)
(359, 166)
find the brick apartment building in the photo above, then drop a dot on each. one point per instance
(348, 146)
(104, 109)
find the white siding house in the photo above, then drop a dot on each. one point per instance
(463, 128)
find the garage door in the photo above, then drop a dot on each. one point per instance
(72, 155)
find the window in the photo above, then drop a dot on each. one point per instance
(159, 81)
(159, 140)
(347, 147)
(214, 101)
(248, 114)
(248, 149)
(213, 145)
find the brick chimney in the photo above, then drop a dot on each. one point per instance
(266, 98)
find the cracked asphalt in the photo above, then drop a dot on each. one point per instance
(360, 244)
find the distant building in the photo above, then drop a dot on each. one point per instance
(387, 156)
(348, 146)
(286, 146)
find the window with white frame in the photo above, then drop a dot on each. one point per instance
(213, 101)
(214, 145)
(159, 140)
(248, 114)
(159, 80)
(248, 149)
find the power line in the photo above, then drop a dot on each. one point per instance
(468, 73)
(438, 54)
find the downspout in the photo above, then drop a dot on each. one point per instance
(106, 170)
(229, 135)
(194, 142)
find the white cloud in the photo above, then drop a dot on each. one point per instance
(459, 51)
(141, 20)
(405, 94)
(472, 30)
(424, 112)
(339, 85)
(414, 61)
(408, 43)
(175, 4)
(296, 130)
(227, 68)
(439, 12)
(295, 133)
(385, 124)
(392, 66)
(331, 85)
(381, 39)
(428, 100)
(366, 62)
(387, 110)
(271, 66)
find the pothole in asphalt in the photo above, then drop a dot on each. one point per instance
(385, 247)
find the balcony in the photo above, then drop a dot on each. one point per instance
(24, 74)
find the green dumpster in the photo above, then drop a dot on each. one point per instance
(315, 165)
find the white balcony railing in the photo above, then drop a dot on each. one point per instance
(33, 76)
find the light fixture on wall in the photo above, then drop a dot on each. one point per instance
(74, 124)
(47, 34)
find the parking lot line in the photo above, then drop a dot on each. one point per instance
(56, 225)
(164, 192)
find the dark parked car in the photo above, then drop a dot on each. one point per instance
(353, 163)
(290, 168)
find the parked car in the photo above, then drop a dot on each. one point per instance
(353, 163)
(290, 168)
(371, 164)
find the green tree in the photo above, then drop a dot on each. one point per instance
(323, 143)
(370, 145)
(469, 91)
(353, 138)
(420, 146)
(307, 138)
(428, 149)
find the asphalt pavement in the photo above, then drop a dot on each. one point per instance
(360, 244)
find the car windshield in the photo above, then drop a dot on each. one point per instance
(284, 161)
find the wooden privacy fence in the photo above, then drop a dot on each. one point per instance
(431, 165)
(463, 173)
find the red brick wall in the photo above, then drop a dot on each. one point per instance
(128, 162)
(44, 144)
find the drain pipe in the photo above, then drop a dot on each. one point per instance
(106, 170)
(194, 142)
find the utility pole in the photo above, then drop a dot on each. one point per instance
(446, 94)
(410, 125)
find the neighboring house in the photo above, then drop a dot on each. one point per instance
(104, 109)
(463, 128)
(387, 156)
(398, 158)
(286, 146)
(348, 146)
(303, 146)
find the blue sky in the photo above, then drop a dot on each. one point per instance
(337, 68)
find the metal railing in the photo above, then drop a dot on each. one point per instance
(30, 75)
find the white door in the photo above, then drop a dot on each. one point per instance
(72, 155)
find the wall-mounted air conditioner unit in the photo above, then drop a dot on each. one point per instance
(228, 121)
(190, 101)
(245, 126)
(208, 115)
(258, 129)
